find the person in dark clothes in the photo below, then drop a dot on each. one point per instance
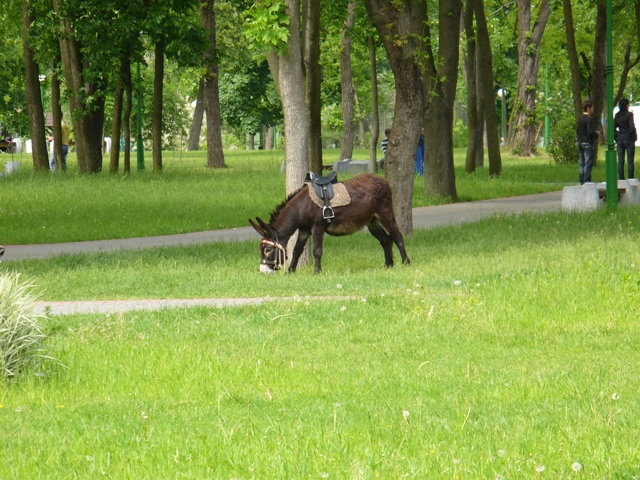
(587, 136)
(625, 136)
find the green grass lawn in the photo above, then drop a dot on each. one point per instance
(508, 349)
(188, 197)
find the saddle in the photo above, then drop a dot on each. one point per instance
(324, 190)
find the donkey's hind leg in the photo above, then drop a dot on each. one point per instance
(385, 240)
(388, 221)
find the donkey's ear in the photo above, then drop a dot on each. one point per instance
(261, 231)
(270, 232)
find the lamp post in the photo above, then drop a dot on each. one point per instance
(610, 162)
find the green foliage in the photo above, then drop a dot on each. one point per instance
(562, 147)
(21, 335)
(268, 26)
(460, 134)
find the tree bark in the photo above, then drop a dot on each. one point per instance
(400, 28)
(127, 116)
(598, 76)
(313, 82)
(523, 128)
(375, 119)
(346, 83)
(215, 155)
(158, 86)
(475, 144)
(440, 83)
(56, 116)
(193, 143)
(34, 97)
(485, 81)
(116, 123)
(576, 89)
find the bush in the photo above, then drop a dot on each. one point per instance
(21, 336)
(562, 147)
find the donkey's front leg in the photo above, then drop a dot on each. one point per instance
(298, 249)
(318, 234)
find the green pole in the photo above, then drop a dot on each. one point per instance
(612, 174)
(547, 126)
(139, 143)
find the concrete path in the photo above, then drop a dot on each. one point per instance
(423, 217)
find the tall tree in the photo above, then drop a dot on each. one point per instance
(475, 149)
(400, 26)
(347, 87)
(158, 86)
(375, 119)
(215, 156)
(34, 98)
(485, 82)
(522, 131)
(313, 81)
(572, 51)
(193, 143)
(440, 75)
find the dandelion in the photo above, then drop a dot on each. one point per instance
(144, 415)
(59, 406)
(576, 466)
(324, 475)
(405, 414)
(499, 477)
(339, 286)
(501, 453)
(343, 308)
(19, 410)
(540, 468)
(615, 396)
(457, 282)
(364, 300)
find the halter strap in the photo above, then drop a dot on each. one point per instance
(281, 254)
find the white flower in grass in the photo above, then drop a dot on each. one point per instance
(501, 453)
(457, 282)
(499, 477)
(343, 308)
(615, 396)
(405, 414)
(364, 300)
(540, 468)
(324, 475)
(339, 286)
(576, 466)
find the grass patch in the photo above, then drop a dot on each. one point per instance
(188, 197)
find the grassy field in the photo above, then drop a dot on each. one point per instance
(188, 197)
(507, 350)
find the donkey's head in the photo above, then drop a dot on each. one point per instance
(272, 253)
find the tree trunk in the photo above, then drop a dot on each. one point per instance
(158, 85)
(286, 70)
(475, 126)
(215, 156)
(193, 143)
(116, 122)
(523, 129)
(313, 82)
(34, 97)
(86, 101)
(346, 83)
(576, 89)
(360, 115)
(56, 115)
(598, 77)
(127, 115)
(395, 21)
(485, 80)
(375, 120)
(439, 171)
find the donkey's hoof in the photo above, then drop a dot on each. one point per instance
(407, 261)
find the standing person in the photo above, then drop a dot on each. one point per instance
(625, 136)
(419, 168)
(587, 136)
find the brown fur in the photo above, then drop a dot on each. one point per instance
(371, 206)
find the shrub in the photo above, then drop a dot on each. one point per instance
(562, 147)
(21, 336)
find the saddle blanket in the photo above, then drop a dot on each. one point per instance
(340, 198)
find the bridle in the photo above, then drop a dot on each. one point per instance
(281, 254)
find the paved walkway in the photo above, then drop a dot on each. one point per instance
(423, 217)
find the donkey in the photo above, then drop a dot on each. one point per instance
(370, 205)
